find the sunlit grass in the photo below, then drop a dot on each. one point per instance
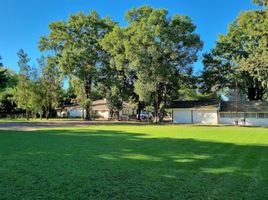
(135, 162)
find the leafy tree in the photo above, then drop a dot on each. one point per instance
(159, 49)
(261, 2)
(240, 57)
(119, 88)
(3, 76)
(7, 105)
(49, 86)
(76, 45)
(23, 89)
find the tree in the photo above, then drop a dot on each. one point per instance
(119, 88)
(239, 57)
(3, 76)
(77, 50)
(49, 86)
(261, 2)
(23, 89)
(159, 49)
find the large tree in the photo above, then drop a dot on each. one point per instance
(49, 85)
(24, 88)
(159, 49)
(240, 57)
(77, 49)
(119, 88)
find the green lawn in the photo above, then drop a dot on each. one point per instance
(135, 162)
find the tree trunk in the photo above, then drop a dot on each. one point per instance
(87, 85)
(27, 115)
(139, 111)
(47, 114)
(88, 117)
(118, 115)
(83, 113)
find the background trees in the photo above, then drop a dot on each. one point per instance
(148, 62)
(23, 89)
(159, 48)
(76, 47)
(240, 56)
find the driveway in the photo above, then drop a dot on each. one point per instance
(55, 124)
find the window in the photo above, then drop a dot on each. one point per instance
(251, 115)
(262, 115)
(232, 115)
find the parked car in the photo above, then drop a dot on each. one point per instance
(145, 115)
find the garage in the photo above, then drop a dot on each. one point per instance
(195, 112)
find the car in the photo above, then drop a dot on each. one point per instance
(145, 115)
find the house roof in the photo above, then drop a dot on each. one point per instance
(244, 106)
(100, 105)
(201, 105)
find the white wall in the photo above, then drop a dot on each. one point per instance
(205, 117)
(199, 116)
(182, 116)
(75, 113)
(248, 121)
(103, 114)
(256, 122)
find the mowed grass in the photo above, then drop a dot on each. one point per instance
(135, 162)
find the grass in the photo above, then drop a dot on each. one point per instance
(135, 162)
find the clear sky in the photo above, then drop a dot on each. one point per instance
(22, 22)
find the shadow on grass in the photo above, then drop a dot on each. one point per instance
(109, 164)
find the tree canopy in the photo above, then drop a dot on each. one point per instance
(240, 56)
(77, 49)
(159, 48)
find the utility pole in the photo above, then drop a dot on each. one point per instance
(236, 103)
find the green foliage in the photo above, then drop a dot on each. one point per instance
(3, 76)
(23, 89)
(239, 56)
(116, 77)
(159, 49)
(261, 2)
(76, 46)
(49, 88)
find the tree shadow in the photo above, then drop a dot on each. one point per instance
(110, 164)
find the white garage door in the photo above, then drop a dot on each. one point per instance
(205, 117)
(182, 117)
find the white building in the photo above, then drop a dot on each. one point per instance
(249, 113)
(195, 112)
(99, 110)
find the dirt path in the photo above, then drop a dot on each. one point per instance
(25, 126)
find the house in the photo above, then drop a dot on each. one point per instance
(250, 113)
(195, 112)
(70, 111)
(99, 110)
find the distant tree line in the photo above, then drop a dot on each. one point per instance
(148, 63)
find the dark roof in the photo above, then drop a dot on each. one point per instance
(195, 104)
(244, 106)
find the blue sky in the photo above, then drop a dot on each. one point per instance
(23, 22)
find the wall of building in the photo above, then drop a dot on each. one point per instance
(246, 122)
(195, 116)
